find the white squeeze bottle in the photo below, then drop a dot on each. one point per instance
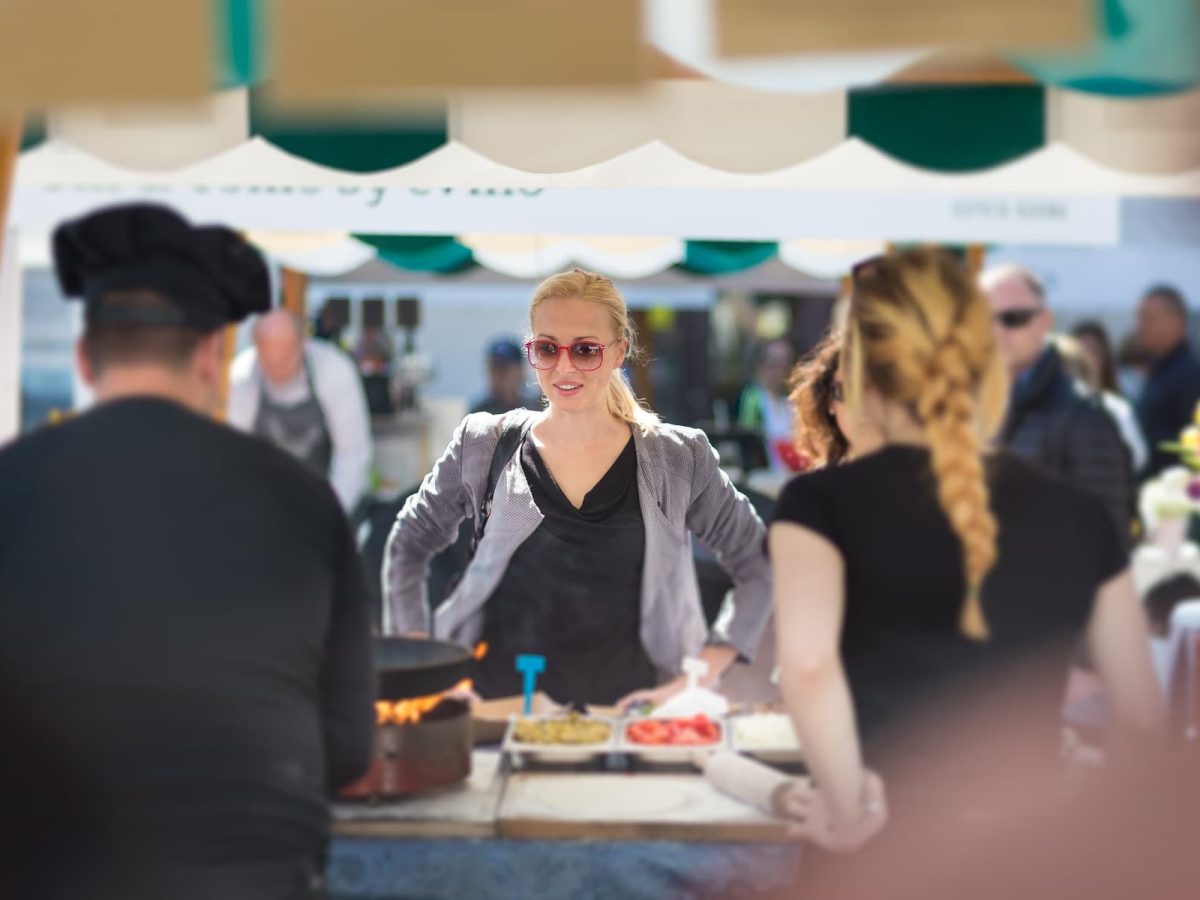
(694, 699)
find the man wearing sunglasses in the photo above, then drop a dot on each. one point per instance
(1052, 420)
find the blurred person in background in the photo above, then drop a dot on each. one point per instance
(506, 380)
(822, 439)
(764, 407)
(325, 326)
(1133, 367)
(1052, 421)
(1168, 400)
(822, 424)
(373, 352)
(374, 357)
(1094, 341)
(980, 562)
(306, 398)
(587, 554)
(1084, 367)
(189, 599)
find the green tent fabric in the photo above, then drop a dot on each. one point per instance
(361, 145)
(239, 36)
(951, 128)
(723, 257)
(1145, 47)
(421, 253)
(33, 134)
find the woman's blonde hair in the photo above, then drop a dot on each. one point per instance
(920, 334)
(594, 288)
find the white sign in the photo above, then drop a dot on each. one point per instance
(712, 214)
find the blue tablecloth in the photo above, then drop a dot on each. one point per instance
(398, 869)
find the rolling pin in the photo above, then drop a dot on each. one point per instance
(744, 779)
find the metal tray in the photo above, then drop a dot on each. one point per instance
(766, 751)
(668, 753)
(560, 753)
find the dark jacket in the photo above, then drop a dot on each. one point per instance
(1058, 425)
(1168, 403)
(189, 601)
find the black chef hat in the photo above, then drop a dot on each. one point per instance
(211, 275)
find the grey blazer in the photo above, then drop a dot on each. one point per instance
(683, 492)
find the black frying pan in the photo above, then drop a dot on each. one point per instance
(412, 667)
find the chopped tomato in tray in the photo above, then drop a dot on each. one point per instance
(692, 732)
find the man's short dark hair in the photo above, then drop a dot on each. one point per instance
(109, 344)
(1171, 296)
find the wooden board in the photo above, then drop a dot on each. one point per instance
(325, 51)
(628, 807)
(55, 52)
(774, 27)
(466, 810)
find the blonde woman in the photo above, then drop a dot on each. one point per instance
(586, 555)
(922, 566)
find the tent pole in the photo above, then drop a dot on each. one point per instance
(295, 291)
(10, 286)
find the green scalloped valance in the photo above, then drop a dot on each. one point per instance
(421, 253)
(723, 257)
(362, 146)
(951, 128)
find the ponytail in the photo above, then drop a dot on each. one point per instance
(624, 404)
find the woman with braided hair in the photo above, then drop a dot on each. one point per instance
(905, 579)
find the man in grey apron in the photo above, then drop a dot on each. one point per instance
(305, 397)
(299, 429)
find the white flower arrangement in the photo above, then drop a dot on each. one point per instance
(1172, 496)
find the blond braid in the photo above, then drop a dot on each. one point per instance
(947, 409)
(921, 334)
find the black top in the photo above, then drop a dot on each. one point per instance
(572, 592)
(901, 644)
(1168, 403)
(187, 602)
(1053, 422)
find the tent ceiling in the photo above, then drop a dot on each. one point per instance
(573, 135)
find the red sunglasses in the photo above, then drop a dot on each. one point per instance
(586, 356)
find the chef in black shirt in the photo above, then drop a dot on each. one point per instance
(183, 601)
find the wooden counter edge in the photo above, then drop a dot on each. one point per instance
(692, 832)
(399, 828)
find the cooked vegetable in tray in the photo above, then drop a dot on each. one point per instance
(572, 728)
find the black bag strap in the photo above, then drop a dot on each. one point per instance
(511, 438)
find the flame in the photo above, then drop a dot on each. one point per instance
(481, 650)
(409, 712)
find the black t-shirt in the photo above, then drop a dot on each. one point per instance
(185, 604)
(904, 590)
(572, 592)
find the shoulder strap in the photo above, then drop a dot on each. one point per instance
(511, 438)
